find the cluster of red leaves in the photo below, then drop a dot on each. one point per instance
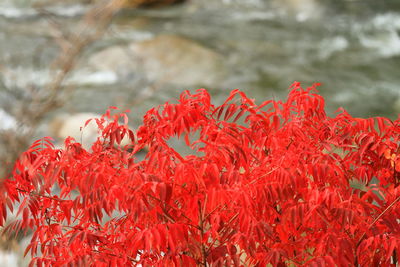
(268, 183)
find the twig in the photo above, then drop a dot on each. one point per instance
(377, 219)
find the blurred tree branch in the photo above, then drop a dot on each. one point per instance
(32, 104)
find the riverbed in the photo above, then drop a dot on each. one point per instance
(351, 47)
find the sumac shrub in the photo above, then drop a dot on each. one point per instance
(280, 183)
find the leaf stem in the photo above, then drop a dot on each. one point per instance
(376, 219)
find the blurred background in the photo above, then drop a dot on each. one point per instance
(65, 61)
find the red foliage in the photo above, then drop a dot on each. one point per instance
(269, 183)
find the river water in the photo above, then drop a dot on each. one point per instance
(351, 47)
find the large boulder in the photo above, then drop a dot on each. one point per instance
(66, 125)
(9, 258)
(73, 125)
(164, 59)
(7, 121)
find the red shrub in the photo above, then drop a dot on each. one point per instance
(270, 183)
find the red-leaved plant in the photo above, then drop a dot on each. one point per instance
(266, 184)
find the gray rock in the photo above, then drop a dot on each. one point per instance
(165, 59)
(117, 59)
(66, 125)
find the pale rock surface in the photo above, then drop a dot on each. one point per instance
(73, 125)
(166, 59)
(8, 259)
(70, 125)
(7, 121)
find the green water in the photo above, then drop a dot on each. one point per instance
(351, 47)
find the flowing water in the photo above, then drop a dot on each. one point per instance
(351, 47)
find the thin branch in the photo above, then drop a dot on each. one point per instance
(377, 219)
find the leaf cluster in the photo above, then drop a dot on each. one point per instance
(278, 183)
